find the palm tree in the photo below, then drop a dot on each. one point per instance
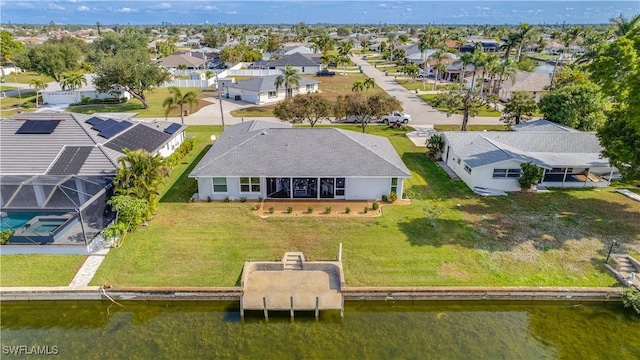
(524, 35)
(466, 58)
(38, 85)
(369, 83)
(510, 42)
(345, 48)
(73, 81)
(140, 174)
(489, 64)
(357, 86)
(178, 99)
(439, 56)
(622, 26)
(507, 70)
(425, 43)
(288, 78)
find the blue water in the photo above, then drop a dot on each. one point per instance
(15, 220)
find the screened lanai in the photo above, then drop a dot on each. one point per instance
(61, 210)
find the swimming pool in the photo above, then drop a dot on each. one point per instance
(15, 220)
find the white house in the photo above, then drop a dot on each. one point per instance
(534, 83)
(297, 61)
(266, 160)
(262, 90)
(55, 94)
(492, 159)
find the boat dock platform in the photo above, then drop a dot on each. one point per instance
(292, 284)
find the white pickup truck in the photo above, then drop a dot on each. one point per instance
(395, 117)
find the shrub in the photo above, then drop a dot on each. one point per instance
(366, 209)
(327, 210)
(289, 210)
(208, 198)
(227, 199)
(243, 199)
(376, 206)
(5, 235)
(385, 198)
(347, 210)
(529, 176)
(631, 298)
(256, 207)
(271, 210)
(309, 209)
(393, 196)
(435, 146)
(28, 105)
(260, 199)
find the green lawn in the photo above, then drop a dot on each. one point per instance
(330, 87)
(12, 105)
(27, 77)
(154, 99)
(39, 270)
(6, 88)
(558, 238)
(420, 85)
(484, 111)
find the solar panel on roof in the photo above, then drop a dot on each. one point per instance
(171, 129)
(119, 127)
(105, 125)
(38, 127)
(70, 160)
(94, 121)
(139, 137)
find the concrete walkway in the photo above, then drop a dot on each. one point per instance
(88, 270)
(421, 113)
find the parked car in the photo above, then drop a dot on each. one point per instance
(396, 117)
(325, 72)
(332, 64)
(353, 120)
(425, 74)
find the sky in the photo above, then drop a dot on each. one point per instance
(311, 12)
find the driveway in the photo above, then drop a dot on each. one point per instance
(421, 113)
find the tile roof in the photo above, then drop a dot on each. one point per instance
(269, 149)
(528, 81)
(547, 149)
(265, 83)
(172, 61)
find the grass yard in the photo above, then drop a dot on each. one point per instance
(13, 105)
(6, 88)
(484, 111)
(27, 77)
(154, 99)
(330, 87)
(426, 86)
(39, 270)
(558, 238)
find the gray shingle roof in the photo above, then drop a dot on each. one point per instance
(547, 149)
(528, 81)
(265, 83)
(542, 125)
(266, 149)
(295, 59)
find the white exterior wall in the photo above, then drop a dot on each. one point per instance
(71, 97)
(483, 176)
(311, 69)
(172, 145)
(355, 189)
(367, 188)
(263, 97)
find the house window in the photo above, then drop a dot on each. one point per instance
(458, 161)
(309, 87)
(467, 168)
(295, 90)
(220, 185)
(340, 186)
(394, 185)
(273, 94)
(303, 69)
(506, 173)
(249, 184)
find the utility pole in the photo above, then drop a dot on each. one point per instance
(220, 100)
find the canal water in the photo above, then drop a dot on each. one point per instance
(369, 330)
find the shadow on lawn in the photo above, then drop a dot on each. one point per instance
(184, 187)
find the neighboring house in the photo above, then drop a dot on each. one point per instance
(542, 125)
(172, 62)
(56, 173)
(55, 94)
(488, 45)
(262, 90)
(301, 63)
(300, 49)
(492, 159)
(259, 159)
(534, 83)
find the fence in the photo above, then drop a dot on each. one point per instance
(190, 83)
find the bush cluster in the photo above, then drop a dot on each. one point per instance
(87, 100)
(179, 153)
(5, 235)
(375, 206)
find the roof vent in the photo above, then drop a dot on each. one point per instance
(264, 132)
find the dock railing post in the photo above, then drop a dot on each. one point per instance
(340, 253)
(342, 306)
(264, 305)
(291, 308)
(241, 307)
(317, 309)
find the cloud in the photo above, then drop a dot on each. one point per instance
(83, 8)
(208, 8)
(409, 10)
(6, 4)
(162, 6)
(125, 10)
(74, 1)
(231, 12)
(383, 5)
(54, 6)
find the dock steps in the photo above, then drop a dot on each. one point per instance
(293, 260)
